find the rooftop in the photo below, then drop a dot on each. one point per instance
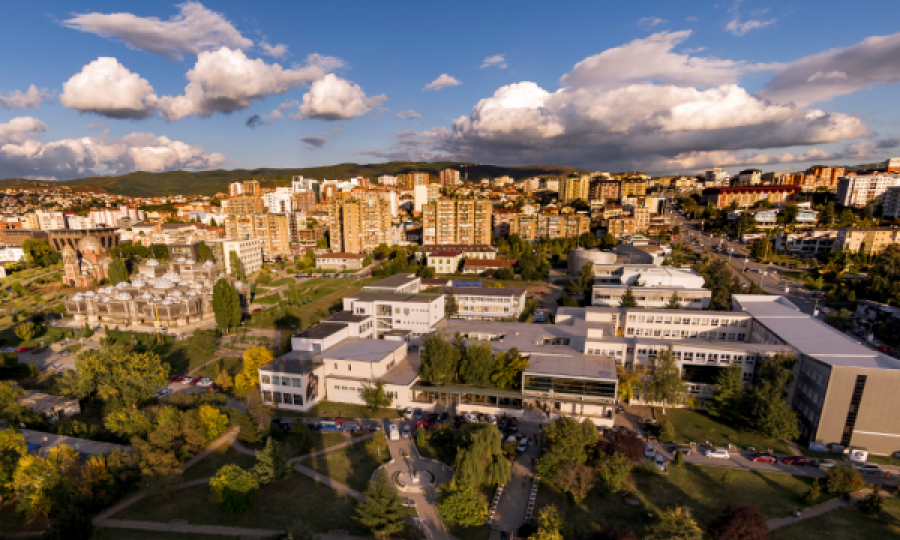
(345, 316)
(392, 282)
(362, 350)
(573, 365)
(383, 296)
(84, 446)
(341, 256)
(296, 362)
(321, 331)
(485, 291)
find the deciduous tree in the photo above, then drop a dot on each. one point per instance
(666, 385)
(226, 305)
(477, 364)
(675, 524)
(234, 489)
(254, 358)
(740, 522)
(214, 423)
(462, 504)
(508, 368)
(237, 267)
(36, 478)
(203, 252)
(631, 380)
(451, 306)
(550, 524)
(375, 395)
(729, 394)
(674, 301)
(115, 373)
(612, 471)
(26, 330)
(567, 443)
(577, 480)
(439, 359)
(480, 459)
(128, 423)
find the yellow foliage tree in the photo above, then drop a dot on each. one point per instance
(36, 477)
(224, 381)
(214, 423)
(630, 381)
(254, 357)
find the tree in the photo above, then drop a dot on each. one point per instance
(36, 477)
(480, 459)
(439, 359)
(628, 300)
(226, 304)
(666, 430)
(740, 522)
(254, 358)
(203, 252)
(214, 423)
(382, 513)
(844, 479)
(789, 214)
(508, 368)
(761, 248)
(26, 330)
(550, 524)
(630, 380)
(477, 364)
(129, 423)
(874, 502)
(815, 492)
(117, 271)
(301, 531)
(12, 449)
(626, 444)
(674, 301)
(39, 253)
(612, 471)
(767, 409)
(679, 458)
(567, 443)
(271, 462)
(224, 381)
(826, 214)
(375, 396)
(675, 524)
(237, 267)
(666, 385)
(115, 373)
(234, 489)
(577, 480)
(451, 306)
(607, 242)
(729, 394)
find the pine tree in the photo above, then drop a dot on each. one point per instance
(226, 304)
(628, 300)
(666, 385)
(117, 271)
(729, 394)
(382, 512)
(674, 301)
(675, 523)
(237, 268)
(271, 462)
(812, 496)
(451, 307)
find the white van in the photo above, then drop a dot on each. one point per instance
(393, 432)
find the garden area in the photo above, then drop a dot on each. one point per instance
(352, 465)
(693, 426)
(314, 300)
(846, 524)
(181, 355)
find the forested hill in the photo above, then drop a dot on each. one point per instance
(147, 184)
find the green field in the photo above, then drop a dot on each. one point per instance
(182, 355)
(351, 466)
(697, 487)
(229, 363)
(320, 298)
(221, 456)
(845, 524)
(693, 426)
(269, 299)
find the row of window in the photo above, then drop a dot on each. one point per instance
(666, 332)
(692, 321)
(494, 299)
(808, 391)
(279, 398)
(283, 381)
(607, 352)
(816, 376)
(690, 356)
(809, 413)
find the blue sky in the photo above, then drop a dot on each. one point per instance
(659, 86)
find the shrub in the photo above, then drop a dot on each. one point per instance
(679, 458)
(844, 479)
(743, 522)
(234, 489)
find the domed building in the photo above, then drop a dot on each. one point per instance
(87, 265)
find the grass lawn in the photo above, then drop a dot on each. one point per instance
(697, 487)
(282, 281)
(351, 466)
(182, 355)
(845, 524)
(270, 299)
(228, 362)
(297, 446)
(693, 426)
(221, 456)
(321, 297)
(332, 410)
(481, 532)
(279, 506)
(51, 334)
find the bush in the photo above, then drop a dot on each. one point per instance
(679, 458)
(234, 489)
(874, 502)
(844, 479)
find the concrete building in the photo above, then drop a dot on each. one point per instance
(249, 251)
(398, 283)
(890, 203)
(339, 261)
(457, 221)
(274, 230)
(652, 287)
(408, 181)
(746, 196)
(445, 262)
(474, 251)
(415, 313)
(450, 177)
(550, 226)
(487, 304)
(805, 244)
(359, 226)
(857, 191)
(478, 266)
(49, 406)
(574, 186)
(49, 221)
(602, 188)
(872, 240)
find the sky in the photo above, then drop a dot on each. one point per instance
(108, 87)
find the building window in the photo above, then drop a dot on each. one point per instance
(275, 380)
(267, 396)
(266, 379)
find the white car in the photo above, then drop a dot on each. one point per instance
(205, 382)
(393, 432)
(869, 468)
(408, 413)
(650, 451)
(660, 462)
(471, 418)
(523, 445)
(719, 453)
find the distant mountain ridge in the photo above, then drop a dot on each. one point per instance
(150, 184)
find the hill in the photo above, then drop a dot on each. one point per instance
(148, 184)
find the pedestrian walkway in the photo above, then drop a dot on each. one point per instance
(334, 484)
(191, 529)
(807, 513)
(514, 500)
(425, 499)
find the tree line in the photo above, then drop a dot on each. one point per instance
(443, 362)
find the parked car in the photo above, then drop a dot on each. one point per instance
(660, 462)
(374, 426)
(38, 350)
(23, 349)
(686, 449)
(432, 417)
(444, 417)
(350, 426)
(824, 463)
(763, 458)
(205, 382)
(409, 503)
(194, 381)
(173, 378)
(405, 432)
(328, 425)
(393, 432)
(424, 424)
(650, 451)
(523, 445)
(796, 460)
(417, 414)
(719, 453)
(869, 468)
(407, 413)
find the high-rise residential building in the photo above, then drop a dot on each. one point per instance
(359, 226)
(249, 252)
(456, 221)
(892, 165)
(716, 177)
(550, 226)
(821, 176)
(243, 205)
(574, 186)
(248, 188)
(603, 188)
(413, 179)
(48, 221)
(280, 200)
(450, 177)
(858, 190)
(633, 186)
(273, 229)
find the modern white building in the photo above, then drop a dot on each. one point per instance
(249, 251)
(79, 222)
(409, 314)
(487, 304)
(398, 283)
(48, 221)
(857, 191)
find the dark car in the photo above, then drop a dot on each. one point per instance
(432, 417)
(796, 460)
(445, 417)
(417, 414)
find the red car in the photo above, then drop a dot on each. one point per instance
(175, 378)
(194, 381)
(795, 460)
(425, 424)
(763, 458)
(23, 349)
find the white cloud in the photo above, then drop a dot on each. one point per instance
(275, 51)
(312, 141)
(826, 75)
(651, 21)
(738, 28)
(651, 59)
(442, 82)
(31, 98)
(108, 88)
(692, 19)
(279, 111)
(498, 60)
(194, 30)
(333, 98)
(408, 114)
(22, 155)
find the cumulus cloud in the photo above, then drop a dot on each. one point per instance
(408, 114)
(194, 30)
(333, 98)
(652, 59)
(311, 141)
(31, 98)
(442, 82)
(651, 21)
(22, 155)
(498, 60)
(108, 88)
(664, 111)
(738, 28)
(275, 51)
(826, 75)
(871, 148)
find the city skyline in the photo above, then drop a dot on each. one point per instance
(116, 87)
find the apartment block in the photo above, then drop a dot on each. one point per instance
(359, 226)
(619, 227)
(550, 226)
(48, 221)
(872, 240)
(890, 203)
(450, 177)
(457, 221)
(806, 243)
(857, 191)
(574, 186)
(746, 196)
(249, 251)
(487, 304)
(413, 179)
(633, 187)
(273, 229)
(603, 188)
